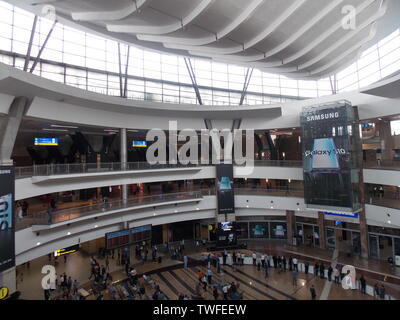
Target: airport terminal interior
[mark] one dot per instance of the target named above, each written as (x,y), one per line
(200,150)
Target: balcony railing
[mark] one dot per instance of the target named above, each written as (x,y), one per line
(46,218)
(81,168)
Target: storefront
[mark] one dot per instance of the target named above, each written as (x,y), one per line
(267,227)
(384,243)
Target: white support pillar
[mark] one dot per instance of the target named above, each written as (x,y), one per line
(9,126)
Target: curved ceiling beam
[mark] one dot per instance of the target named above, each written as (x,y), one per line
(252,42)
(109,15)
(306,27)
(346,53)
(348,60)
(312,45)
(285,44)
(135,29)
(245,15)
(343,40)
(276,66)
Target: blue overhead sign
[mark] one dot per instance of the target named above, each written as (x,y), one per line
(343,214)
(139,143)
(46,141)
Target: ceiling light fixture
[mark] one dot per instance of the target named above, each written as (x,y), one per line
(58,130)
(60,126)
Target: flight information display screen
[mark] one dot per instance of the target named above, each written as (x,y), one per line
(331,152)
(46,141)
(128,237)
(139,144)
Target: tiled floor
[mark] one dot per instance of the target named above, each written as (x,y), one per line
(177,280)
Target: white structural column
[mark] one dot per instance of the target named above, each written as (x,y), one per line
(124,158)
(9,126)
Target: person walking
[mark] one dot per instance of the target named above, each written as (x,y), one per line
(225,291)
(185,261)
(363,284)
(313,293)
(266,270)
(294,278)
(330,271)
(336,275)
(254,259)
(322,271)
(382,292)
(284,263)
(215,293)
(209,276)
(306,266)
(295,264)
(316,268)
(262,260)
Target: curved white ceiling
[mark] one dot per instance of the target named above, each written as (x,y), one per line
(296,38)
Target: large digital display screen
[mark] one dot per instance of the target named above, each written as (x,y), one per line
(128,237)
(331,151)
(224,185)
(46,141)
(140,234)
(226,234)
(7,220)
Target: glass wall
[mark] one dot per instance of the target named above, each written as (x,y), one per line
(376,63)
(91,62)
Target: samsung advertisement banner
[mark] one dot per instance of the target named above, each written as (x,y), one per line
(224,185)
(7,221)
(331,150)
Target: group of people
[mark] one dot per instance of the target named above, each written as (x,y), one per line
(67,286)
(21,209)
(100,273)
(229,290)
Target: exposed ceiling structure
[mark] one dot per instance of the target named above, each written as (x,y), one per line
(307,39)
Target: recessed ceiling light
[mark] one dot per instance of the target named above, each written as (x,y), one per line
(58,130)
(111,130)
(68,233)
(95,225)
(60,126)
(38,244)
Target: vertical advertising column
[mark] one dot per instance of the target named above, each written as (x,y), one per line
(124,158)
(7,226)
(226,230)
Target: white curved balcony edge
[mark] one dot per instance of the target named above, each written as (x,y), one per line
(58,102)
(30,244)
(39,185)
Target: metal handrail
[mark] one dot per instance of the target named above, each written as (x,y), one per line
(44,218)
(79,168)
